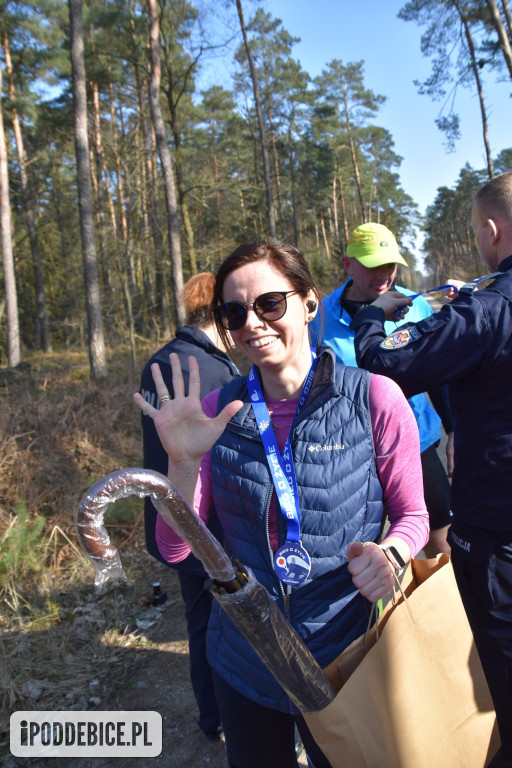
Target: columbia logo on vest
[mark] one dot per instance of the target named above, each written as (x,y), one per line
(319,448)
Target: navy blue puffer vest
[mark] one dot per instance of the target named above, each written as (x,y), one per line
(340,500)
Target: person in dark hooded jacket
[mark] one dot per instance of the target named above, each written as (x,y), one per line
(200,339)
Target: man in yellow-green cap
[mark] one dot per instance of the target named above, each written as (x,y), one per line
(371,263)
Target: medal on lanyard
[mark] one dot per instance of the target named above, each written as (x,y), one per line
(291,561)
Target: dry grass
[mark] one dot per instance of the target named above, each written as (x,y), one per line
(59,433)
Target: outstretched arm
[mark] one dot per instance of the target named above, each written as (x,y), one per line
(185,431)
(421,356)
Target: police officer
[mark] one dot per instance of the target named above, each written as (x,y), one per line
(468,345)
(371,263)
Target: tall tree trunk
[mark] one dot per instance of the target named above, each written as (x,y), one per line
(97,179)
(180,185)
(119,171)
(343,207)
(218,202)
(11,296)
(128,245)
(263,141)
(178,163)
(324,235)
(42,325)
(353,155)
(162,263)
(291,153)
(57,195)
(242,204)
(165,161)
(278,176)
(187,224)
(145,263)
(356,173)
(508,17)
(97,188)
(474,66)
(102,191)
(501,31)
(275,158)
(335,208)
(92,288)
(151,208)
(124,265)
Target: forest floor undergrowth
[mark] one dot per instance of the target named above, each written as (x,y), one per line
(62,646)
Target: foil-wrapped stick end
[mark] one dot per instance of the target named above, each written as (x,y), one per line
(171,505)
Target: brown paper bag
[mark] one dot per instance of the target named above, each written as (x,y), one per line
(417,697)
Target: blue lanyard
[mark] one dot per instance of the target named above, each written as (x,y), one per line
(415,296)
(281,467)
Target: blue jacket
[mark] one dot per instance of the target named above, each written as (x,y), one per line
(215,369)
(340,500)
(338,335)
(467,345)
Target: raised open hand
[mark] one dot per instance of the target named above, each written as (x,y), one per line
(184,430)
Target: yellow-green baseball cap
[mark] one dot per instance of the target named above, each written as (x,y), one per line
(374,245)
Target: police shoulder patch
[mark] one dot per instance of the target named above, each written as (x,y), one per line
(398,339)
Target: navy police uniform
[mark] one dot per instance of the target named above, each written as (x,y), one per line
(468,345)
(215,369)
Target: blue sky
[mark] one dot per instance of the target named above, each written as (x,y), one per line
(390,48)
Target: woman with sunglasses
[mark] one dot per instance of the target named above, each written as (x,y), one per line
(300,459)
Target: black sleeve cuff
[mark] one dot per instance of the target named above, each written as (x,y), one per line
(441,403)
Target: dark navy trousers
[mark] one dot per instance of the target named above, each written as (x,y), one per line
(486,590)
(198,602)
(260,737)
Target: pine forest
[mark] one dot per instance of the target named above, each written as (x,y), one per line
(120,178)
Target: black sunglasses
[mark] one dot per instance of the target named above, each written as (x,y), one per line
(269,306)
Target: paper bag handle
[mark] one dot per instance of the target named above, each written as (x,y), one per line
(376,613)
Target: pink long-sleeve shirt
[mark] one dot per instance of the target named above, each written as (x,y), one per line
(396,441)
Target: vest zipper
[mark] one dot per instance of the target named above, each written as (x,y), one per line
(285,592)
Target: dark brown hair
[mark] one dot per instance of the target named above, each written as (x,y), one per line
(281,257)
